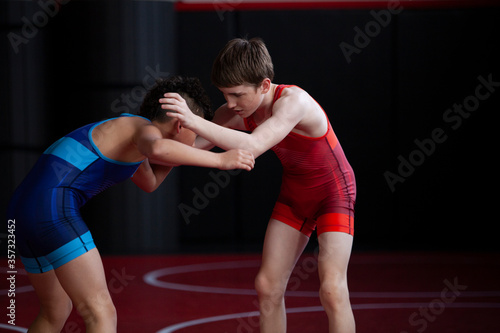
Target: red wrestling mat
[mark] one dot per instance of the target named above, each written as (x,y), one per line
(391,292)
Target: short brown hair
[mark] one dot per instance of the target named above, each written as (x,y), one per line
(242,61)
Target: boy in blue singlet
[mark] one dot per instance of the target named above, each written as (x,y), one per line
(54,242)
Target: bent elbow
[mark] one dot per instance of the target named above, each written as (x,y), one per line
(149,189)
(155,151)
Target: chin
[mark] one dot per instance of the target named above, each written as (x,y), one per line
(244,114)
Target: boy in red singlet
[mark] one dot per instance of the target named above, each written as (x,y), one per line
(318,186)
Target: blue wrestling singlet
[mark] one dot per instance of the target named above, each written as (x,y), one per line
(46,206)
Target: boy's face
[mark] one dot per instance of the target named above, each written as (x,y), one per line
(243,99)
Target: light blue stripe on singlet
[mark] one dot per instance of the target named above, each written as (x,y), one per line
(72,152)
(61,256)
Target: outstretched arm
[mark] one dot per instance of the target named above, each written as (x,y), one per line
(172,153)
(162,154)
(286,115)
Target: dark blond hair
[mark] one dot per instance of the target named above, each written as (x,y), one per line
(242,61)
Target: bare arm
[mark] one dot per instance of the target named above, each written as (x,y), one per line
(286,115)
(149,176)
(225,119)
(162,154)
(202,143)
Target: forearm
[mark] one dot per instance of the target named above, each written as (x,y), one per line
(170,152)
(202,143)
(220,136)
(226,138)
(167,152)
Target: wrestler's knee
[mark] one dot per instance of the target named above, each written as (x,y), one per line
(269,288)
(57,313)
(97,308)
(334,293)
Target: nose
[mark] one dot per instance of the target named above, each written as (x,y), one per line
(231,103)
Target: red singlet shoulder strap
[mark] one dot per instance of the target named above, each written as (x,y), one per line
(279,90)
(250,122)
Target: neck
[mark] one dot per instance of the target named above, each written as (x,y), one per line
(264,111)
(165,128)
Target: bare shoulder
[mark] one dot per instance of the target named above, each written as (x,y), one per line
(117,138)
(293,101)
(294,94)
(140,127)
(313,121)
(122,127)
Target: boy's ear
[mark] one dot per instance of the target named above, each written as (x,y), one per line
(265,85)
(178,126)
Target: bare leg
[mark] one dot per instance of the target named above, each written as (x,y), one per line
(84,281)
(334,254)
(55,304)
(282,247)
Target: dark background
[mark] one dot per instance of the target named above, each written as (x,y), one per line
(84,61)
